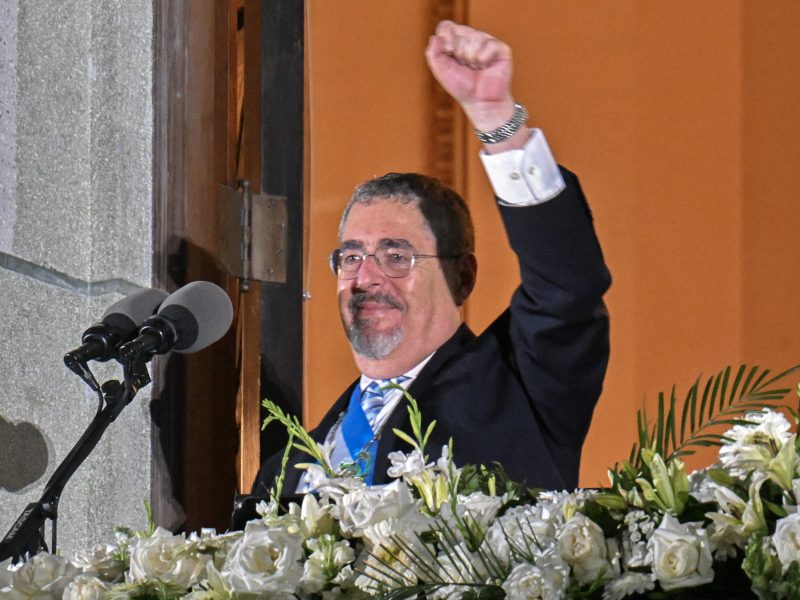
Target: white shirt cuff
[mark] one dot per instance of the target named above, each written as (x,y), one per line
(527,176)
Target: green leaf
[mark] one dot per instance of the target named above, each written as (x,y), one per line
(736,382)
(599,513)
(276,491)
(726,397)
(148,589)
(703,402)
(306,443)
(748,382)
(714,392)
(723,391)
(611,500)
(659,436)
(428,432)
(405,437)
(776,509)
(691,403)
(151,521)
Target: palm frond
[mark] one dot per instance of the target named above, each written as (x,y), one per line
(479,591)
(436,562)
(722,399)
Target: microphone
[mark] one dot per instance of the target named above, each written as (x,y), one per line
(191,318)
(119,323)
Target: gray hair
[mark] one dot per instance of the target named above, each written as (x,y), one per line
(445,212)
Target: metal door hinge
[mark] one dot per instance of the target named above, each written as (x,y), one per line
(254,234)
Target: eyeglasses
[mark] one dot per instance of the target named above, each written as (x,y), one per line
(393,262)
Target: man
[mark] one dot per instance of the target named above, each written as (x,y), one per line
(522,393)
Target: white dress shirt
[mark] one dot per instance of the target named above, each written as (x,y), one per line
(526,176)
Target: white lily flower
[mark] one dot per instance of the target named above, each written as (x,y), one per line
(753,446)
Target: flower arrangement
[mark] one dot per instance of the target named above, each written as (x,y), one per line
(443,532)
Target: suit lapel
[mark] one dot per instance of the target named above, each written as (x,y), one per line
(397,420)
(319,434)
(399,417)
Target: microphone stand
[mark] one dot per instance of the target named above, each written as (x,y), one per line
(26,535)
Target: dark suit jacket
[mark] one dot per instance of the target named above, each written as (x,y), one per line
(521,393)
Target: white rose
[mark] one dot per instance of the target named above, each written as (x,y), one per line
(547,579)
(583,546)
(264,560)
(160,556)
(211,545)
(458,564)
(369,505)
(520,527)
(85,587)
(479,506)
(406,527)
(787,539)
(99,560)
(524,582)
(681,554)
(390,545)
(43,576)
(497,542)
(526,525)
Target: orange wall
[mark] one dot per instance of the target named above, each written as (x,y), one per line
(681,120)
(771,183)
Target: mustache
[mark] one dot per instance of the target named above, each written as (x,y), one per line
(359,298)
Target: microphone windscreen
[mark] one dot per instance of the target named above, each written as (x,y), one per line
(128,313)
(201,313)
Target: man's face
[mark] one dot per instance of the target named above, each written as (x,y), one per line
(393,323)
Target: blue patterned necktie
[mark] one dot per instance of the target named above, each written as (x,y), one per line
(358,427)
(374,397)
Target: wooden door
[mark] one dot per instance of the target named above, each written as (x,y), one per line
(223,114)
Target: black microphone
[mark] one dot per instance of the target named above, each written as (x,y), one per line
(119,323)
(191,318)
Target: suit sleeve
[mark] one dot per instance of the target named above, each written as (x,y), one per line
(558,324)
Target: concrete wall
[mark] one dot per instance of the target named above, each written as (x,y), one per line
(75,235)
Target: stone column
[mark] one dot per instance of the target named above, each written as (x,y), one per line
(76,129)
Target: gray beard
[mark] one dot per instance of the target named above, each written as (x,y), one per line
(371,344)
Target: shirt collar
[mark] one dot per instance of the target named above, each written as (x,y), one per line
(411,374)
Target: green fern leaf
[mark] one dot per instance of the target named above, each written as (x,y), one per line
(725,399)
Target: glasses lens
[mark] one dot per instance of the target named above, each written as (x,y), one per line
(395,262)
(347,262)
